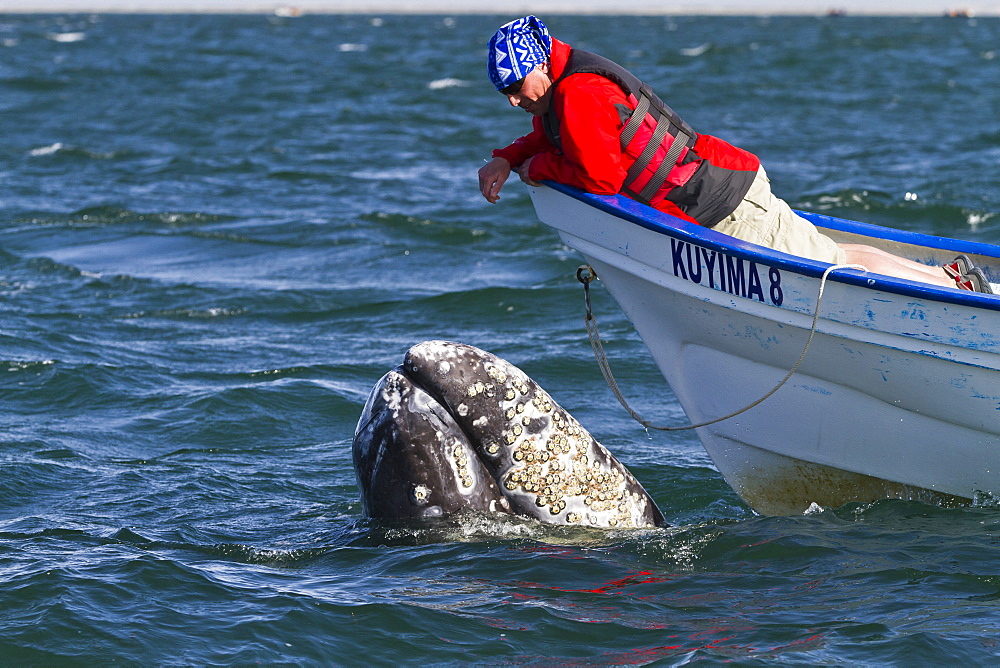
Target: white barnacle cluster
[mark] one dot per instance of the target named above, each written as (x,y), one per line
(461,459)
(557,465)
(507,390)
(488,390)
(513,404)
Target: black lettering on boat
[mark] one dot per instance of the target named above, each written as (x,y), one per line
(710,257)
(735,276)
(677,252)
(693,264)
(754,288)
(777,295)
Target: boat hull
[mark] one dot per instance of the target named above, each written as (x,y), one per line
(898,395)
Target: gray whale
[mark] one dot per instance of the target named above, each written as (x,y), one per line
(457,428)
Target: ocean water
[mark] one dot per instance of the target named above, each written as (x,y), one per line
(216,234)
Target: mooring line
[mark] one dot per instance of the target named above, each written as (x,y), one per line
(586,274)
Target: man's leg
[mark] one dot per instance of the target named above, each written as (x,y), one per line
(881,262)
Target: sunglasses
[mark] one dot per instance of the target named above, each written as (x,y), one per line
(514,88)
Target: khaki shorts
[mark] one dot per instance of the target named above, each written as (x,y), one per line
(766,220)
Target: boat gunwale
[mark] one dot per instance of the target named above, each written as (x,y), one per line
(663,223)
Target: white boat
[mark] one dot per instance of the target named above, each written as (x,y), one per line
(898,395)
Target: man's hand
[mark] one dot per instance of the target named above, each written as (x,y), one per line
(492,176)
(522,171)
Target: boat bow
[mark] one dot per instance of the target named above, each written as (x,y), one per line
(898,396)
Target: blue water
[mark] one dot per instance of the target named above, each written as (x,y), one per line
(216,234)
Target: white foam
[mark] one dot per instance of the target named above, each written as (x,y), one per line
(47,150)
(438,84)
(67,37)
(696,51)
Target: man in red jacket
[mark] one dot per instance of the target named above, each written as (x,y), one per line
(598,128)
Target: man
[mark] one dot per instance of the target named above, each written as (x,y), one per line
(600,129)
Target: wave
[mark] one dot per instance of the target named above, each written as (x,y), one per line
(104,215)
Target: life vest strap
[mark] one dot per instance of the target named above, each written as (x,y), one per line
(637,118)
(642,162)
(651,188)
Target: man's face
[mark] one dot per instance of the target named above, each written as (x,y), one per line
(534,95)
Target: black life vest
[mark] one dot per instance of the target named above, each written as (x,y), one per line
(664,165)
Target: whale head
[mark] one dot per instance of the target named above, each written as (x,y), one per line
(457,428)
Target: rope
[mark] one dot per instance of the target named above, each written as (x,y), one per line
(586,274)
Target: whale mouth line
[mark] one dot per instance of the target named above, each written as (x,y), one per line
(439,400)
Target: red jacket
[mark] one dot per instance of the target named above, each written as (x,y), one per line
(590,129)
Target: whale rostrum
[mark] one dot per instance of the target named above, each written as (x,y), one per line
(457,428)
